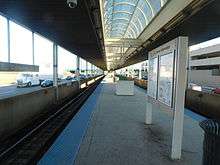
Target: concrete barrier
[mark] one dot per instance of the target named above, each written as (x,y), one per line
(141,83)
(203,103)
(68,90)
(18,111)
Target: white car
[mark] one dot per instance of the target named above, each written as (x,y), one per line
(27,80)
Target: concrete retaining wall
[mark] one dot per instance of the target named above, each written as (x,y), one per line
(68,89)
(203,103)
(17,111)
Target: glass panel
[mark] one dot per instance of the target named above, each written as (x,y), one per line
(128,8)
(137,27)
(89,68)
(156,4)
(119,26)
(66,63)
(122,15)
(43,51)
(165,78)
(3,40)
(108,4)
(82,66)
(20,44)
(149,11)
(143,20)
(140,12)
(125,1)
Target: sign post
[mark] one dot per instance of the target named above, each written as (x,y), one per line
(55,69)
(149,114)
(78,69)
(181,78)
(167,78)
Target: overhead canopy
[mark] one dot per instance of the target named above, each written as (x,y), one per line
(128,18)
(78,30)
(142,25)
(129,28)
(199,21)
(123,22)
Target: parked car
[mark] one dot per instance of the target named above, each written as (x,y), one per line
(82,77)
(194,87)
(70,78)
(27,80)
(145,78)
(59,79)
(216,91)
(207,89)
(47,83)
(88,75)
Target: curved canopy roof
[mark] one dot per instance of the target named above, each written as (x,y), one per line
(128,18)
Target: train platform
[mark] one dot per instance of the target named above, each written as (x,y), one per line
(110,129)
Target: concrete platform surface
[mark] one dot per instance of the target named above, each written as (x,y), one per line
(65,148)
(117,134)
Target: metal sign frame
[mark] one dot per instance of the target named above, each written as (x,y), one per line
(179,48)
(170,47)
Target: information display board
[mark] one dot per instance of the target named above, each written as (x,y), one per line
(167,84)
(165,78)
(152,77)
(161,75)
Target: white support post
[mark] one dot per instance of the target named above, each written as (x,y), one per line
(181,77)
(113,74)
(149,113)
(77,69)
(139,73)
(92,69)
(86,68)
(95,69)
(55,69)
(33,59)
(9,43)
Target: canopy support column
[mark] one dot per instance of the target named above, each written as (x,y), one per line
(55,69)
(77,69)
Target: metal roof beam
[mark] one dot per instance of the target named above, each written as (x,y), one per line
(115,42)
(131,17)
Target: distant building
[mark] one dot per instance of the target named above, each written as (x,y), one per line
(205,66)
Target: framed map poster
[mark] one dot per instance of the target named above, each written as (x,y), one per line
(166,78)
(152,77)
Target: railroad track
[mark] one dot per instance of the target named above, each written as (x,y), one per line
(29,148)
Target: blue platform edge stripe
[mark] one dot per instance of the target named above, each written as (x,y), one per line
(194,115)
(65,148)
